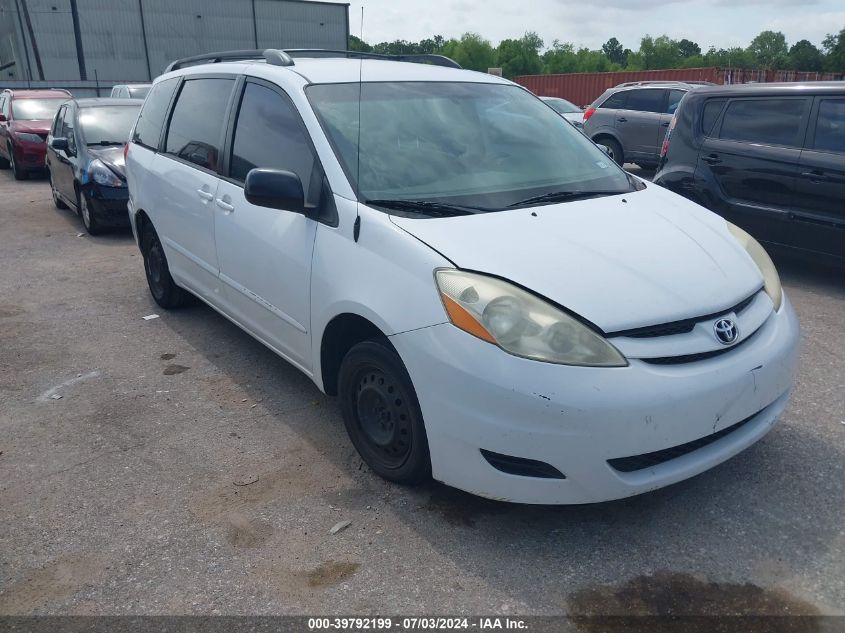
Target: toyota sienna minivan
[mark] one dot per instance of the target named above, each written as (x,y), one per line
(496,303)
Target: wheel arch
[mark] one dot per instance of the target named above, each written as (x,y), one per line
(341,334)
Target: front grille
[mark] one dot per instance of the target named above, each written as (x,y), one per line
(684,326)
(649,460)
(521,466)
(693,358)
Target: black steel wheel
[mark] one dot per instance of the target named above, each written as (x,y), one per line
(164,290)
(382,414)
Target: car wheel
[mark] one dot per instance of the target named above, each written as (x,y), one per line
(382,414)
(614,149)
(89,220)
(164,290)
(56,199)
(19,173)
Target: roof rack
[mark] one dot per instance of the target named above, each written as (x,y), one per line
(664,82)
(279,57)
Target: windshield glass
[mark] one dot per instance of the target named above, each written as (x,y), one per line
(562,105)
(107,124)
(479,145)
(36,109)
(138,92)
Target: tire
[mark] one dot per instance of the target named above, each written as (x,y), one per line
(4,163)
(89,219)
(614,149)
(162,287)
(56,199)
(20,174)
(382,414)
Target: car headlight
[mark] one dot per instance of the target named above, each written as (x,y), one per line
(520,323)
(31,138)
(102,175)
(771,279)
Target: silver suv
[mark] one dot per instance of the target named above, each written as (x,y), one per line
(630,120)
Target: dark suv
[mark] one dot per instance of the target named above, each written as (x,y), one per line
(768,157)
(25,118)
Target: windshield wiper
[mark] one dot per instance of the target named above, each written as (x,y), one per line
(105,143)
(564,196)
(426,207)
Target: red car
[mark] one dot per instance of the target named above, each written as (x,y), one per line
(25,120)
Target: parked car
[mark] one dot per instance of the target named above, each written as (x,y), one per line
(495,303)
(86,162)
(630,120)
(130,91)
(768,157)
(25,117)
(567,110)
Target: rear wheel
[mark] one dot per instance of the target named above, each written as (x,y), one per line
(164,290)
(382,414)
(56,199)
(19,172)
(613,149)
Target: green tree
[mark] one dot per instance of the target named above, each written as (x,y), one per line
(769,49)
(657,53)
(687,48)
(357,44)
(471,51)
(520,57)
(560,58)
(614,51)
(834,48)
(805,56)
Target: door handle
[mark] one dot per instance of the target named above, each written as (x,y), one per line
(205,195)
(665,124)
(228,208)
(815,176)
(622,119)
(713,159)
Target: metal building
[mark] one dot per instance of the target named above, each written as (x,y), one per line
(90,45)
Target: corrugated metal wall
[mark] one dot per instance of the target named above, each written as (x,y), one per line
(113,34)
(583,88)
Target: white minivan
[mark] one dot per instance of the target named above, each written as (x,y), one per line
(496,304)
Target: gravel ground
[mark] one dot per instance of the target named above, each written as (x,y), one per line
(120,497)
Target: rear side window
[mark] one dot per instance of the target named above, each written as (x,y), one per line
(615,101)
(765,121)
(710,114)
(269,133)
(198,121)
(675,97)
(646,100)
(830,126)
(151,119)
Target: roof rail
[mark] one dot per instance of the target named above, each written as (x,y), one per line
(280,57)
(664,82)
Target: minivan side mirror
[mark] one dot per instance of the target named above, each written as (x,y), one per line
(275,189)
(59,144)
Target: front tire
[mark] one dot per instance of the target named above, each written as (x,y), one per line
(164,290)
(18,172)
(89,220)
(382,414)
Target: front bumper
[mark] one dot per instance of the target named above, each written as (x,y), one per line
(109,204)
(475,396)
(30,156)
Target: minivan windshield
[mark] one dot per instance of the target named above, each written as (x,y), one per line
(483,147)
(36,109)
(107,125)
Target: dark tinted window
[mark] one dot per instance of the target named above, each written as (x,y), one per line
(615,100)
(766,121)
(675,97)
(268,133)
(646,100)
(710,114)
(198,121)
(830,127)
(151,119)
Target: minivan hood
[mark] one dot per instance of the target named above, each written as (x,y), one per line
(643,258)
(112,157)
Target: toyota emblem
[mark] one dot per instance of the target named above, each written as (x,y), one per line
(726,331)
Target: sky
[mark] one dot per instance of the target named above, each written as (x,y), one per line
(720,23)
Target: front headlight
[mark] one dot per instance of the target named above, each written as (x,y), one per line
(31,138)
(521,324)
(771,280)
(102,175)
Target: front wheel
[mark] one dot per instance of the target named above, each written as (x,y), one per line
(382,414)
(17,170)
(88,217)
(164,290)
